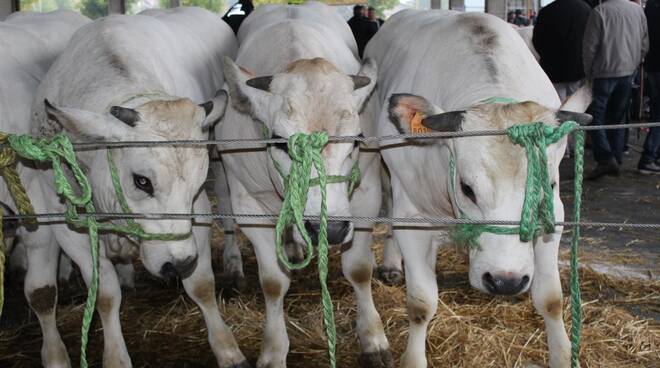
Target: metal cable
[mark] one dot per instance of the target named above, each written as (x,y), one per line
(389,220)
(87,146)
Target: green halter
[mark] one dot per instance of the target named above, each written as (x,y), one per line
(305,153)
(537,216)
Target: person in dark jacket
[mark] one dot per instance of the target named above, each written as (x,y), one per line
(614,44)
(237,13)
(363,29)
(649,163)
(371,14)
(558,40)
(520,20)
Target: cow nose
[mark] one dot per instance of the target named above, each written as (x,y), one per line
(183,268)
(337,231)
(504,284)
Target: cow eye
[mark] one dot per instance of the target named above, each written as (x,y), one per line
(468,192)
(553,185)
(143,183)
(280,146)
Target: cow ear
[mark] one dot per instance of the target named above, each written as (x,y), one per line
(214,109)
(244,98)
(407,112)
(87,125)
(579,101)
(445,122)
(364,82)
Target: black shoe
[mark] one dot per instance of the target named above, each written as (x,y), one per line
(611,168)
(649,169)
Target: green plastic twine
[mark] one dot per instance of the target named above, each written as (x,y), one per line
(59,151)
(538,211)
(576,300)
(305,152)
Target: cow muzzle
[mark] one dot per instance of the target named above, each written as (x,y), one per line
(180,268)
(505,283)
(338,231)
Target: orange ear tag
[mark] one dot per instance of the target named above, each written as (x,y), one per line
(416,124)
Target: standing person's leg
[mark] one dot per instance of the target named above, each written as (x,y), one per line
(601,90)
(619,104)
(648,162)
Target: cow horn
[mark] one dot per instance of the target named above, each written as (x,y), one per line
(126,115)
(360,81)
(262,83)
(578,117)
(445,122)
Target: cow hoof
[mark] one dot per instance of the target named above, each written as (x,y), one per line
(376,359)
(390,276)
(235,281)
(243,364)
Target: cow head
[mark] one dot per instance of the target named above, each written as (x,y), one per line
(490,177)
(310,95)
(160,179)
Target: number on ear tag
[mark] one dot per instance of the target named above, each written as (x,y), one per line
(416,124)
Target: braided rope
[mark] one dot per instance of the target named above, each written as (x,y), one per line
(576,301)
(305,152)
(17,191)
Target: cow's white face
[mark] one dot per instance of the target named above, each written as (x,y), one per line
(161,179)
(490,179)
(310,95)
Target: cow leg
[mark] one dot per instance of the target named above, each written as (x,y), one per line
(547,294)
(200,286)
(419,258)
(390,272)
(65,268)
(274,284)
(41,293)
(108,300)
(125,274)
(357,265)
(232,262)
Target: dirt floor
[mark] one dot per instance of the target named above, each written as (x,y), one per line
(620,285)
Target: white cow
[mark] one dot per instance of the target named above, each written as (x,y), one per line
(30,44)
(306,66)
(120,79)
(445,81)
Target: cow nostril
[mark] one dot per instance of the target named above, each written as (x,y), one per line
(489,282)
(167,271)
(524,281)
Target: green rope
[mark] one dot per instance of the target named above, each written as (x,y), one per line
(305,152)
(538,208)
(59,152)
(576,302)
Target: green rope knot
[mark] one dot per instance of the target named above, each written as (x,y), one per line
(305,152)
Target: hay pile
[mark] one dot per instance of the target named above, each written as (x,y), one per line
(163,328)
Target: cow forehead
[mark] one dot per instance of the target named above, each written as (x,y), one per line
(498,156)
(175,119)
(316,96)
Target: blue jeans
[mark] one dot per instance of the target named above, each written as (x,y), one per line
(608,106)
(652,142)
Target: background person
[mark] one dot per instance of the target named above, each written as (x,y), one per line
(371,14)
(615,42)
(649,163)
(237,13)
(363,29)
(558,40)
